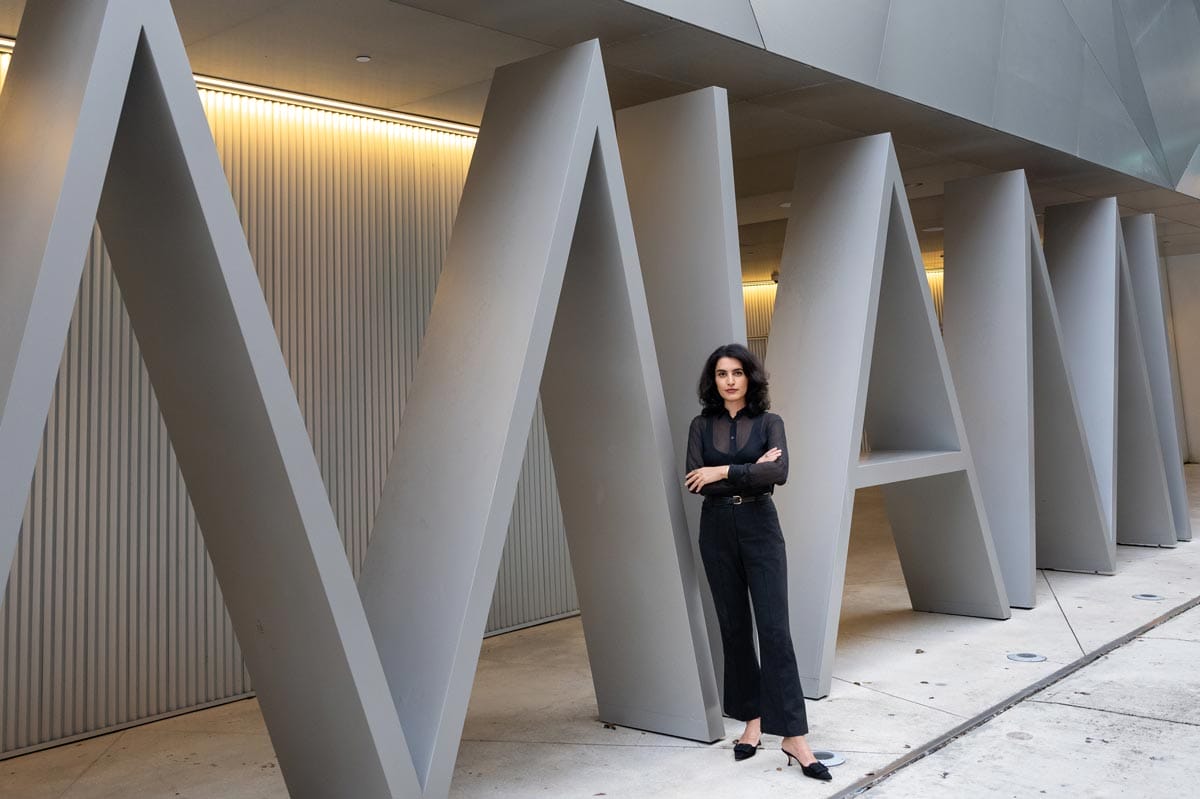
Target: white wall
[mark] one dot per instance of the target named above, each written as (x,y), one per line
(1183,279)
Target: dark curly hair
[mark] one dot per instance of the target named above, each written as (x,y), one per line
(757,400)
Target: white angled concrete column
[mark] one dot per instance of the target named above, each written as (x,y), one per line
(1085,253)
(1148,279)
(987,323)
(541,271)
(1081,257)
(1144,514)
(678,166)
(197,308)
(855,345)
(1005,347)
(1073,532)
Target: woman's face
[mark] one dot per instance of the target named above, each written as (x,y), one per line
(731,380)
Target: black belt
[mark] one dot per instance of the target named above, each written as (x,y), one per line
(736,500)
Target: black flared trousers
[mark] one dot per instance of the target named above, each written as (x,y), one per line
(745,560)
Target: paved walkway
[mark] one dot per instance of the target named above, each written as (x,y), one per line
(1126,725)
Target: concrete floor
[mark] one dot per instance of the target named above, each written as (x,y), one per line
(901,680)
(1125,726)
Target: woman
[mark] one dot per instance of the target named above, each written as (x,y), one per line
(736,455)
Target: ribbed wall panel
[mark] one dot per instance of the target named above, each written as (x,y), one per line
(535,580)
(112,613)
(759,302)
(936,283)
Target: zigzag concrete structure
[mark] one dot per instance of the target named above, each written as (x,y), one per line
(593,263)
(862,353)
(1147,282)
(205,319)
(542,286)
(189,284)
(1085,253)
(678,165)
(1020,406)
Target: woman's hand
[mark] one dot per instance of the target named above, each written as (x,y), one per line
(771,455)
(698,478)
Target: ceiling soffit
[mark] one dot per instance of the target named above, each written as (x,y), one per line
(436,57)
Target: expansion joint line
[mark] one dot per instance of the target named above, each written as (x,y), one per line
(1058,602)
(1142,716)
(879,775)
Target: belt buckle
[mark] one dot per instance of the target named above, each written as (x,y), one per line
(737,500)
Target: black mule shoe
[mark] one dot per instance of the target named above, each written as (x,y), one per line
(817,770)
(743,751)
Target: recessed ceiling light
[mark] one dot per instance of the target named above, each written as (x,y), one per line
(362,59)
(786,204)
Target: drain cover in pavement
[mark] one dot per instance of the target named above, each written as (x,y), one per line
(830,759)
(1026,657)
(1148,597)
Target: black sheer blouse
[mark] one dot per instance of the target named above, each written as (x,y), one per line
(737,442)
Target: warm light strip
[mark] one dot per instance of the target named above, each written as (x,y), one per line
(308,101)
(323,104)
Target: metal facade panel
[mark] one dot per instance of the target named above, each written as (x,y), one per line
(1107,132)
(733,18)
(1022,67)
(958,71)
(112,613)
(1096,21)
(841,36)
(1164,36)
(1132,89)
(1040,82)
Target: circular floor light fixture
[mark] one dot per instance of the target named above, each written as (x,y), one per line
(1026,657)
(362,59)
(830,759)
(1149,597)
